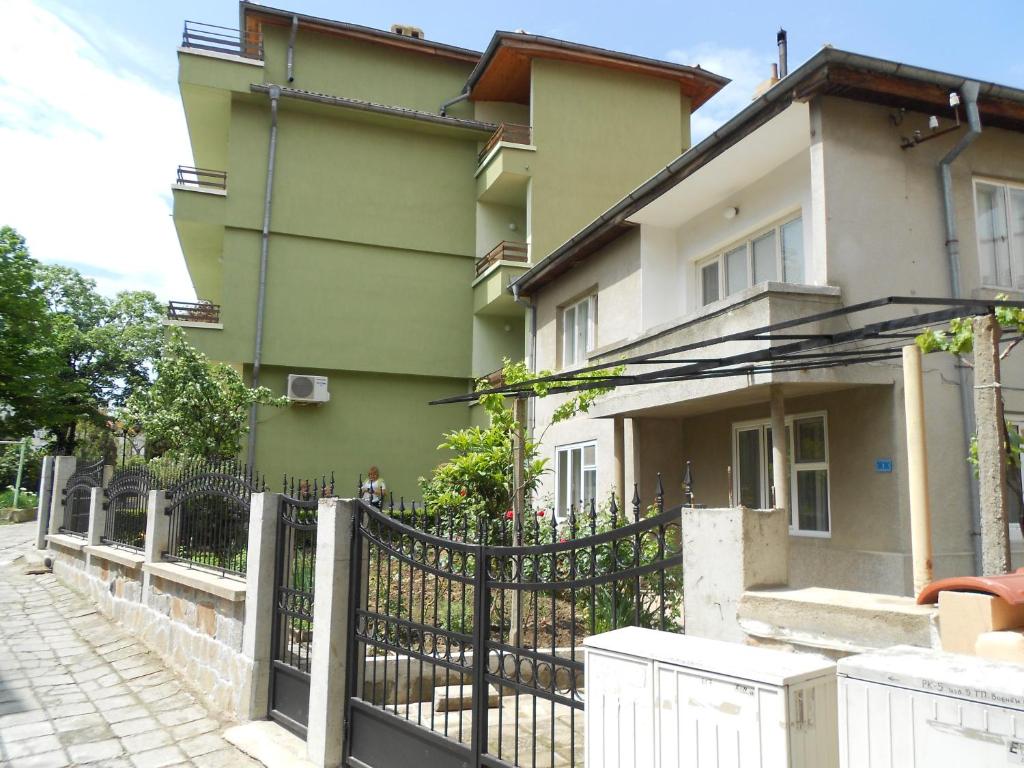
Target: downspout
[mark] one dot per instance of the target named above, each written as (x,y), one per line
(261,296)
(444,107)
(969,95)
(291,49)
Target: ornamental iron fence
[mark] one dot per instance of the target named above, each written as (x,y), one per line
(127,500)
(466,644)
(77,495)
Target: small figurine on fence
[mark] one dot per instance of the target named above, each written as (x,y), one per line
(373,488)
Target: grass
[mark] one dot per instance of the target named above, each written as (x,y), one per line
(26,499)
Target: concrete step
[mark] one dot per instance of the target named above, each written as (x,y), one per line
(455,697)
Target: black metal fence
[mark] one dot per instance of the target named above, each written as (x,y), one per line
(77,494)
(127,497)
(208,504)
(294,576)
(471,632)
(190,176)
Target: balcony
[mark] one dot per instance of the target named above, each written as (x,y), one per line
(509,133)
(223,40)
(503,251)
(193,312)
(201,178)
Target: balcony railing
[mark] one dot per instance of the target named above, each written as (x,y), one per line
(193,312)
(210,37)
(503,251)
(513,133)
(202,177)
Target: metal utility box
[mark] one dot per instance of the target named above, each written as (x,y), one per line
(661,699)
(908,707)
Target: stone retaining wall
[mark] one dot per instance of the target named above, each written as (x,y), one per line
(198,635)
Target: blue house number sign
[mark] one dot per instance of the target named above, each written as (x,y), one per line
(883,465)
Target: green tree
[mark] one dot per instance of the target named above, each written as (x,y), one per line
(193,406)
(102,350)
(26,359)
(476,482)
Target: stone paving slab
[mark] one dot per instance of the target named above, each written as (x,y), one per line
(77,689)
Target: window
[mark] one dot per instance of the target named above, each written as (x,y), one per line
(576,467)
(807,457)
(999,215)
(779,251)
(579,323)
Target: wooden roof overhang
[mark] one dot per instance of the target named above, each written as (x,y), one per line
(503,73)
(254,17)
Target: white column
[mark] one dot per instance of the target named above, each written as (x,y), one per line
(619,455)
(259,599)
(780,470)
(330,631)
(158,531)
(45,497)
(917,468)
(97,517)
(63,469)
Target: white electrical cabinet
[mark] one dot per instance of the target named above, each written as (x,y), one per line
(662,699)
(908,707)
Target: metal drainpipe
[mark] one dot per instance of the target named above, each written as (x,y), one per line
(291,49)
(261,296)
(969,94)
(444,107)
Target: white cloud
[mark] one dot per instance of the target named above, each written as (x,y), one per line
(747,69)
(88,148)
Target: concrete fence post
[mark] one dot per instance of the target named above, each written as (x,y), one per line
(63,469)
(158,529)
(45,496)
(97,517)
(261,563)
(331,632)
(726,552)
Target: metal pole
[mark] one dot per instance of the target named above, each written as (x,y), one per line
(518,501)
(988,413)
(21,467)
(780,470)
(917,468)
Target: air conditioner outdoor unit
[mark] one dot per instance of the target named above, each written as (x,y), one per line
(307,389)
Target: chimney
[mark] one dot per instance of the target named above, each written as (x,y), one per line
(765,85)
(407,30)
(783,55)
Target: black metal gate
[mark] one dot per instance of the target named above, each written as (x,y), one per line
(466,649)
(127,497)
(77,497)
(293,612)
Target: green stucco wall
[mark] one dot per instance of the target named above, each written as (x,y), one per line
(371,419)
(599,134)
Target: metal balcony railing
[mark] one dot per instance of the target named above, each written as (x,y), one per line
(210,37)
(510,132)
(503,251)
(193,311)
(202,177)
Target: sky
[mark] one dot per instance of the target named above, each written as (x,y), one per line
(91,125)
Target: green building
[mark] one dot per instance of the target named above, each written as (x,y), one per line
(388,188)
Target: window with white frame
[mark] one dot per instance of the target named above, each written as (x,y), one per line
(579,329)
(576,477)
(1016,481)
(773,254)
(807,460)
(999,215)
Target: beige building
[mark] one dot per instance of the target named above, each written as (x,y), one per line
(825,192)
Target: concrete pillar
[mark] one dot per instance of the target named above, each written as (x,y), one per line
(780,468)
(97,517)
(330,631)
(917,468)
(726,552)
(988,414)
(63,469)
(45,498)
(158,529)
(107,475)
(619,458)
(260,570)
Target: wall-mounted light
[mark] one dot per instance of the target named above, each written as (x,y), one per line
(731,212)
(512,226)
(508,327)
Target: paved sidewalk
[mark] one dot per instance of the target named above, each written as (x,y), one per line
(76,689)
